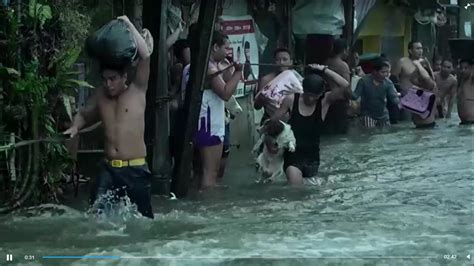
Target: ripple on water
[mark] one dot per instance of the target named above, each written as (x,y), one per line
(396,193)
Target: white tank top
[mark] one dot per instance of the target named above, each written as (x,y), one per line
(212,115)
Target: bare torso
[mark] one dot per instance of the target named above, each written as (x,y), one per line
(466,100)
(123,118)
(409,76)
(444,86)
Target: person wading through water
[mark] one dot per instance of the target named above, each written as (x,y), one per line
(447,85)
(466,93)
(121,108)
(307,114)
(210,133)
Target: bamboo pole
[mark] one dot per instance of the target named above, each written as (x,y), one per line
(199,62)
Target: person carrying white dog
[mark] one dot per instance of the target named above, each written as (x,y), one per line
(308,111)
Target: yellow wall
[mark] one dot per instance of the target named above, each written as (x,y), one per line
(371,44)
(384,20)
(376,26)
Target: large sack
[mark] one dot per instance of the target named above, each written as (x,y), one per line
(284,84)
(113,44)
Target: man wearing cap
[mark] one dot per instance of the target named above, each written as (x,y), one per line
(121,108)
(307,114)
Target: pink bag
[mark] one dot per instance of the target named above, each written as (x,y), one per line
(419,102)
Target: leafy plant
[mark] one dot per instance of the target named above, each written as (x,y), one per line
(41,51)
(39,12)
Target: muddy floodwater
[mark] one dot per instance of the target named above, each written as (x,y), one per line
(394,197)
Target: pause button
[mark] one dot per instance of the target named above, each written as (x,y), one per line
(9,257)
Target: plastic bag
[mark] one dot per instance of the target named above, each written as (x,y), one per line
(112,44)
(284,84)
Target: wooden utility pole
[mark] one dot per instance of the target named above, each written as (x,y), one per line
(199,61)
(158,110)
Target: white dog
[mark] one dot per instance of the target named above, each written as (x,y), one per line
(270,160)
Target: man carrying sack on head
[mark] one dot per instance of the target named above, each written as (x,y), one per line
(120,105)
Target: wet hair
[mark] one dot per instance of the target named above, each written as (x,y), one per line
(273,128)
(281,50)
(120,69)
(219,38)
(380,63)
(338,46)
(179,46)
(313,83)
(410,44)
(247,45)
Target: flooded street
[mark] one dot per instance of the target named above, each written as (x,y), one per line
(397,196)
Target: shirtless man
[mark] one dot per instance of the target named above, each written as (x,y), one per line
(283,60)
(308,112)
(405,70)
(121,108)
(411,73)
(446,84)
(466,93)
(337,118)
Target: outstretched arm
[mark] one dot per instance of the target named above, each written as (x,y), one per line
(88,115)
(143,67)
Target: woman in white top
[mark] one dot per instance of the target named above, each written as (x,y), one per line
(211,126)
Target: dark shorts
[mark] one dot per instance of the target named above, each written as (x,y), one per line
(426,126)
(133,181)
(226,149)
(308,166)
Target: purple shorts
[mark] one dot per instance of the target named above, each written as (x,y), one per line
(203,139)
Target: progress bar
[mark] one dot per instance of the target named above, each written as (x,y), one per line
(83,257)
(217,258)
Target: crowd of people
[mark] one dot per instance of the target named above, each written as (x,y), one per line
(329,98)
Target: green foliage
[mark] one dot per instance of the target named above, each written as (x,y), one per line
(41,52)
(39,12)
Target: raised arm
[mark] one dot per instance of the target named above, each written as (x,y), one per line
(430,84)
(174,36)
(223,89)
(340,82)
(144,53)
